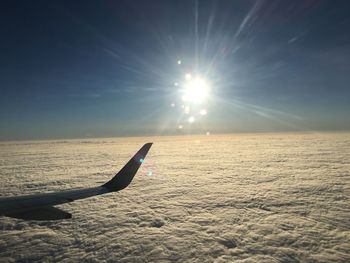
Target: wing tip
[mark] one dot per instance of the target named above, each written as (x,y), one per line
(124,177)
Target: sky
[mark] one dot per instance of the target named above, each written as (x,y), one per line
(71,69)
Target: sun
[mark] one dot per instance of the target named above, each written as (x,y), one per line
(196,90)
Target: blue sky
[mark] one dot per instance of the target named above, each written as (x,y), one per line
(107,68)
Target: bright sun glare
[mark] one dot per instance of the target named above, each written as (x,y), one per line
(196,90)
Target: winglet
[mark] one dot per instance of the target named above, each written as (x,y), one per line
(124,177)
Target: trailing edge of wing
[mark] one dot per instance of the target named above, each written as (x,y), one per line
(124,177)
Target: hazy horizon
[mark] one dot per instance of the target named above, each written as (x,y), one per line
(150,136)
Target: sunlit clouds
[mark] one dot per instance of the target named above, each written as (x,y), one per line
(252,198)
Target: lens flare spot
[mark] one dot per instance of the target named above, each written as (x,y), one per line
(203,112)
(179,62)
(149,173)
(142,160)
(191,119)
(180,127)
(207,133)
(188,76)
(172,105)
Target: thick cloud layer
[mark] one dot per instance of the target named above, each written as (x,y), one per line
(249,198)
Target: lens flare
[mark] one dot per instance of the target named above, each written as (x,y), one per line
(203,112)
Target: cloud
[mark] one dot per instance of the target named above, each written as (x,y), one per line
(238,198)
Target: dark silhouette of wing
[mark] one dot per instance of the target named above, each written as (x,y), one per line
(40,206)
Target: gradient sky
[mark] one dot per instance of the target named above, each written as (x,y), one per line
(107,68)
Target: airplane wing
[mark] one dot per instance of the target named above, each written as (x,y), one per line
(40,206)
